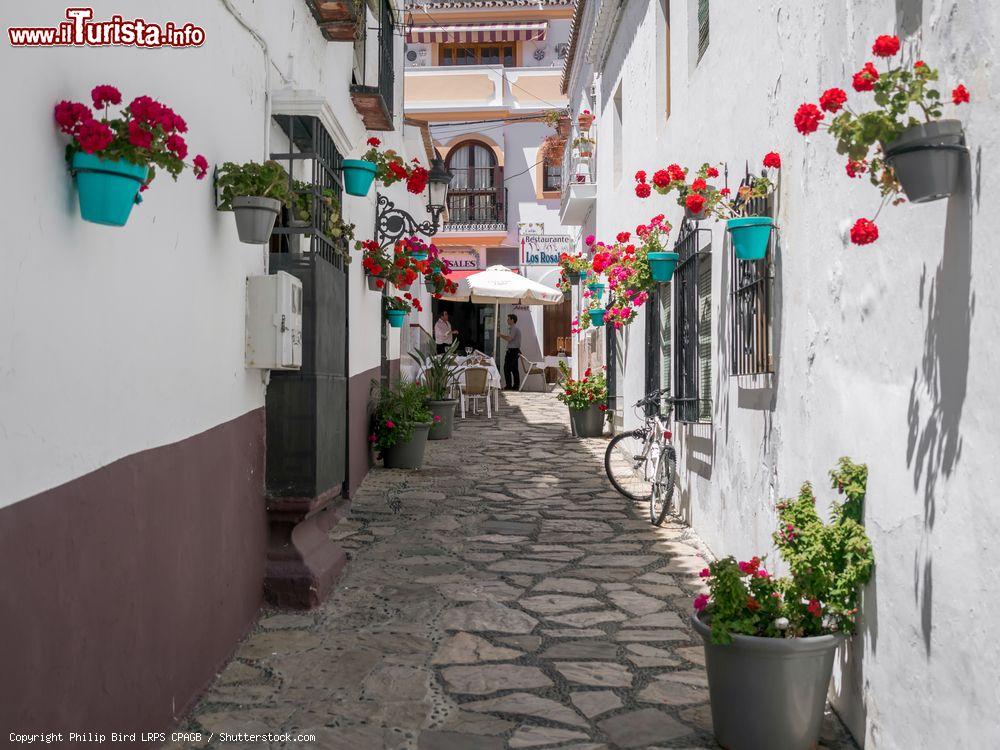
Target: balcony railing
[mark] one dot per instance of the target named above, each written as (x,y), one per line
(481,87)
(375,99)
(476,212)
(579,190)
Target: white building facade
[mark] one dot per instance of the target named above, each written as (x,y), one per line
(881,353)
(139,527)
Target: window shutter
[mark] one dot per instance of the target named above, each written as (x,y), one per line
(705,340)
(702,27)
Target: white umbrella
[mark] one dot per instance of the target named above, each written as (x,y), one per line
(499,285)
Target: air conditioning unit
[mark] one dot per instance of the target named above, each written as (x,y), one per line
(274,322)
(418,55)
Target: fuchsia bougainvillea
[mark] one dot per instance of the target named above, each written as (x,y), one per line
(145,132)
(904,96)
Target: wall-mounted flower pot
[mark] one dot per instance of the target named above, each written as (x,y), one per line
(373,283)
(255,218)
(596,289)
(358,176)
(788,678)
(662,265)
(395,318)
(586,153)
(585,121)
(563,127)
(295,239)
(418,255)
(700,216)
(597,316)
(587,422)
(750,235)
(445,422)
(107,189)
(573,277)
(409,454)
(927,158)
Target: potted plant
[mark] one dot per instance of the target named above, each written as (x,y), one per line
(558,120)
(113,159)
(551,150)
(774,637)
(699,198)
(255,194)
(596,289)
(587,400)
(751,234)
(596,314)
(902,144)
(573,265)
(304,198)
(661,261)
(376,263)
(438,372)
(397,307)
(584,146)
(401,420)
(385,165)
(584,120)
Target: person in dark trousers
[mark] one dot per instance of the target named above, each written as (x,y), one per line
(444,334)
(511,370)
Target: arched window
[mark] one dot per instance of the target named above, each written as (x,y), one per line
(474,194)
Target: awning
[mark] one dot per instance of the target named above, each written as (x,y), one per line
(471,33)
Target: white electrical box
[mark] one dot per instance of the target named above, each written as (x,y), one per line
(274,322)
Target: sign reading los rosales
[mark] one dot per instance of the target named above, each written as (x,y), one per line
(544,249)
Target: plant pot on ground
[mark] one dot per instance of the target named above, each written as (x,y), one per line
(438,372)
(586,399)
(400,423)
(255,194)
(589,422)
(774,638)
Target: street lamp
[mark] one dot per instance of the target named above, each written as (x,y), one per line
(392,223)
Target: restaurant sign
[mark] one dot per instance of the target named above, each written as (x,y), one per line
(544,249)
(462,260)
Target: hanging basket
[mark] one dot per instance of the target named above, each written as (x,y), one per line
(597,289)
(419,255)
(750,236)
(662,265)
(395,318)
(358,176)
(597,316)
(107,189)
(927,158)
(573,277)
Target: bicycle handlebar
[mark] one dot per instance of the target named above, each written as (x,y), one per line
(651,398)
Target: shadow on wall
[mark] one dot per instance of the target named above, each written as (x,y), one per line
(937,394)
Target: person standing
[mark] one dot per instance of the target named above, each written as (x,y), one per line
(444,334)
(511,371)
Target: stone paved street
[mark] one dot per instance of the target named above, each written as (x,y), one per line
(503,597)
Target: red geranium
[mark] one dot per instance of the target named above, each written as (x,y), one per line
(676,172)
(661,178)
(623,236)
(139,135)
(70,115)
(200,166)
(807,118)
(712,172)
(694,203)
(864,232)
(642,190)
(856,168)
(94,136)
(960,95)
(105,95)
(885,46)
(417,180)
(640,176)
(699,184)
(833,99)
(176,144)
(864,79)
(772,160)
(373,141)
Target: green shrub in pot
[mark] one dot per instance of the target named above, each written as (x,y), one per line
(586,398)
(255,193)
(400,422)
(438,372)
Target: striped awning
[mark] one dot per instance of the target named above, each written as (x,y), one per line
(471,33)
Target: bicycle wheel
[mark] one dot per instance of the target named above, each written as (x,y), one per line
(663,488)
(626,470)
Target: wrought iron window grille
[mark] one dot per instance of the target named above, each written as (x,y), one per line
(313,161)
(694,246)
(752,298)
(385,85)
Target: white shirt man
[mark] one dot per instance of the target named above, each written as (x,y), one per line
(444,334)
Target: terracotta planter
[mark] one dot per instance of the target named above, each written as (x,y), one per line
(585,121)
(563,127)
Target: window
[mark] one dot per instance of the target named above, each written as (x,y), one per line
(479,54)
(702,28)
(692,332)
(474,195)
(750,309)
(663,58)
(551,177)
(665,293)
(618,136)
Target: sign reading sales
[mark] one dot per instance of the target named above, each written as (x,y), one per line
(544,249)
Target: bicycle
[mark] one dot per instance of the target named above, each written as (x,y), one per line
(646,475)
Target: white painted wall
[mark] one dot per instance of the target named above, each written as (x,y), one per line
(884,353)
(117,340)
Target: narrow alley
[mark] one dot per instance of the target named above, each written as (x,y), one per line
(503,596)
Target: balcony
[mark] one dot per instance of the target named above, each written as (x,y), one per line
(477,200)
(337,19)
(373,89)
(462,88)
(579,192)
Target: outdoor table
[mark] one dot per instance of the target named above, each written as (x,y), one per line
(493,379)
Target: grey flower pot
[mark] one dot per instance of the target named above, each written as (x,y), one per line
(785,680)
(446,410)
(295,241)
(927,158)
(588,422)
(700,216)
(408,455)
(371,283)
(255,218)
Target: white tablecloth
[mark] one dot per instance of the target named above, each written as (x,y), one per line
(553,361)
(493,379)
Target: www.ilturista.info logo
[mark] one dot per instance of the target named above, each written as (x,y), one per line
(80,31)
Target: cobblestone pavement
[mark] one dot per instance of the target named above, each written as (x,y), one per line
(503,597)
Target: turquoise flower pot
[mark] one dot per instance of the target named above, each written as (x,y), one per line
(358,176)
(107,189)
(418,255)
(662,265)
(597,316)
(750,236)
(395,318)
(596,289)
